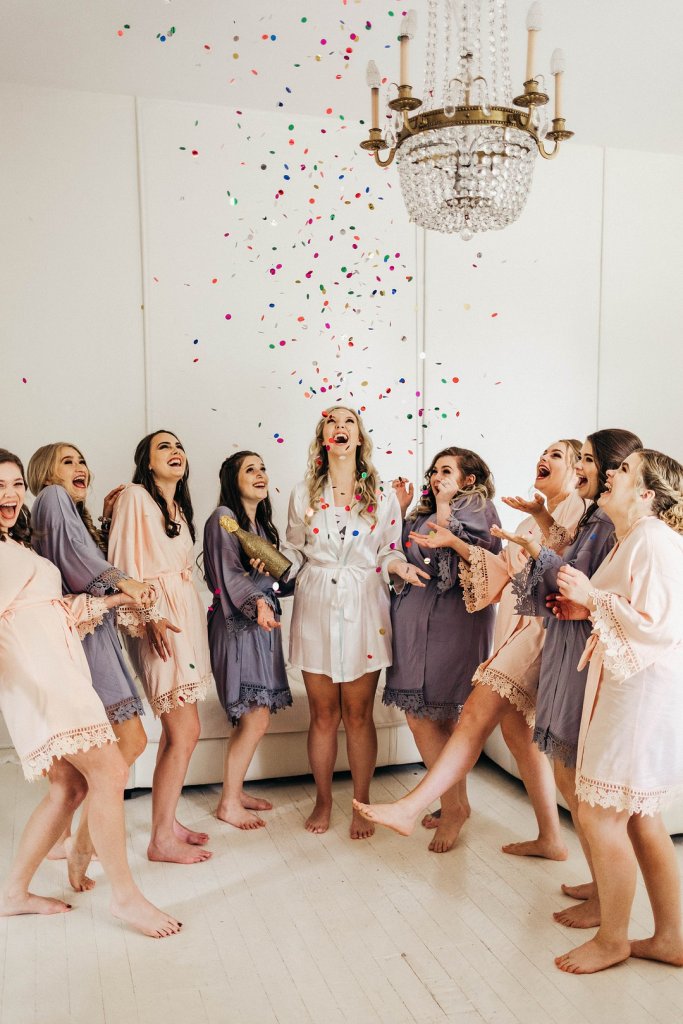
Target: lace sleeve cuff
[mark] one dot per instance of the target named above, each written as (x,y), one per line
(474,580)
(106,582)
(249,608)
(525,583)
(95,610)
(133,621)
(621,661)
(558,537)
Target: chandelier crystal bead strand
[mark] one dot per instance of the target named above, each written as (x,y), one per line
(465,152)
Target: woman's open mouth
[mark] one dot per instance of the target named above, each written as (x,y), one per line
(542,472)
(80,481)
(581,480)
(8,510)
(175,463)
(341,438)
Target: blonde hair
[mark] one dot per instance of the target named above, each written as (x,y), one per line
(573,449)
(367,480)
(40,474)
(469,464)
(663,475)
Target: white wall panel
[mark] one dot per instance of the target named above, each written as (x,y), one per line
(346,315)
(641,366)
(514,315)
(70,276)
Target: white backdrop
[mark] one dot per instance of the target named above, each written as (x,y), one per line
(106,205)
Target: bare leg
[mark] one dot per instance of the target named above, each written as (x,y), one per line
(482,712)
(431,737)
(79,849)
(657,859)
(324,701)
(181,832)
(357,705)
(106,772)
(67,790)
(538,779)
(181,732)
(241,746)
(615,871)
(586,914)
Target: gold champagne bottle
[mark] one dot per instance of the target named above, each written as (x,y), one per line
(256,547)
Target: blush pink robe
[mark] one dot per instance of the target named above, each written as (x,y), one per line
(514,668)
(630,753)
(46,692)
(138,545)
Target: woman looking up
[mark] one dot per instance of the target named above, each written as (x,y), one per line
(244,629)
(344,538)
(151,538)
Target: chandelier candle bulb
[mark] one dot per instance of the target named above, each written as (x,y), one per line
(373,79)
(534,23)
(408,27)
(557,68)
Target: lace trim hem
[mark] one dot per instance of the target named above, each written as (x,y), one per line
(125,709)
(525,582)
(107,580)
(76,741)
(256,695)
(619,657)
(186,693)
(133,621)
(558,537)
(509,688)
(556,748)
(474,579)
(622,797)
(413,702)
(96,609)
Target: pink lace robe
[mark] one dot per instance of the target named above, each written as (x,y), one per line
(514,667)
(630,753)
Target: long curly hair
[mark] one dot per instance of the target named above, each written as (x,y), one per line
(230,497)
(367,480)
(40,474)
(663,475)
(470,464)
(21,531)
(143,475)
(610,447)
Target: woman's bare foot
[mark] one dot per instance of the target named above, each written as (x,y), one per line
(237,815)
(77,862)
(255,803)
(145,917)
(173,851)
(360,827)
(549,849)
(580,915)
(666,949)
(431,819)
(585,891)
(393,816)
(186,835)
(318,820)
(446,835)
(594,955)
(14,904)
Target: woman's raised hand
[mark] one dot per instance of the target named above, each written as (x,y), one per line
(110,501)
(138,592)
(410,573)
(531,508)
(438,537)
(404,492)
(266,617)
(574,585)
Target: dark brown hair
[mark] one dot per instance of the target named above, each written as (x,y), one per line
(143,475)
(21,531)
(610,447)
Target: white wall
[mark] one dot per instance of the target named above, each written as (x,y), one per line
(584,257)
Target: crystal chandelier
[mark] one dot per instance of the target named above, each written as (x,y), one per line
(466,157)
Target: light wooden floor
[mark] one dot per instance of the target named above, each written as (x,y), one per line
(285,927)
